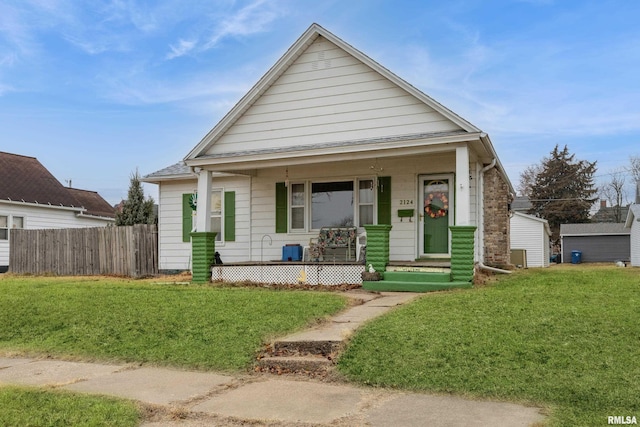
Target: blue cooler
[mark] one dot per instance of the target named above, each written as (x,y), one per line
(292,253)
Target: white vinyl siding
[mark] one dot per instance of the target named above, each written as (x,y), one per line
(174,254)
(635,242)
(529,233)
(326,96)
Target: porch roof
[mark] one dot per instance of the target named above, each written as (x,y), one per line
(392,146)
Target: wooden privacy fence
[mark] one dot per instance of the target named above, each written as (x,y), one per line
(123,251)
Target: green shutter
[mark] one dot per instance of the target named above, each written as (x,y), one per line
(384,200)
(187,218)
(230,216)
(281,208)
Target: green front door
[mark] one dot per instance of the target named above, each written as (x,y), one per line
(437,205)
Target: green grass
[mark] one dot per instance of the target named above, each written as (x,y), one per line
(567,338)
(23,406)
(199,327)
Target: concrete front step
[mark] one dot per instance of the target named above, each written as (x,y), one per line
(406,286)
(413,276)
(295,364)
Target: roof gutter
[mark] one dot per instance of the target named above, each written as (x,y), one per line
(44,205)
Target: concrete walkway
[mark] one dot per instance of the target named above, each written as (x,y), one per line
(192,399)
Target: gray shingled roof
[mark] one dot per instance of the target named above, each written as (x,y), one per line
(595,228)
(177,169)
(339,144)
(521,204)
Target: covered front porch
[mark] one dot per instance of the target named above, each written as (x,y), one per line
(416,276)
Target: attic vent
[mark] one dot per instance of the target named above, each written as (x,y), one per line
(321,62)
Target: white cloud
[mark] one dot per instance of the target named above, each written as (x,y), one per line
(251,19)
(134,89)
(183,47)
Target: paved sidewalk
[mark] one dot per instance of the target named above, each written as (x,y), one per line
(194,399)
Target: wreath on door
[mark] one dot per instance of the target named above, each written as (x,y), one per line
(437,210)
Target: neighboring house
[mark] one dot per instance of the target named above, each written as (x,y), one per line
(610,213)
(531,234)
(30,197)
(598,242)
(521,204)
(633,224)
(329,137)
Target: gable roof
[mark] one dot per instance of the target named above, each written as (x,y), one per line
(198,155)
(593,228)
(24,179)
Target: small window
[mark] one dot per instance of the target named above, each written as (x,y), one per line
(18,222)
(216,214)
(365,202)
(297,206)
(4,227)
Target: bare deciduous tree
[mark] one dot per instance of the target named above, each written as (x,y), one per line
(528,179)
(613,191)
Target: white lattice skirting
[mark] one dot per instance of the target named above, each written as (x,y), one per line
(309,274)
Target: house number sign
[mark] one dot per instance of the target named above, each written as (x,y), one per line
(406,202)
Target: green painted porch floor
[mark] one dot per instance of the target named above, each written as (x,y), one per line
(414,281)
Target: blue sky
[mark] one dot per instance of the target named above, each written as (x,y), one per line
(96,89)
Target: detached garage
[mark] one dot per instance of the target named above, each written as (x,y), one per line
(531,235)
(597,242)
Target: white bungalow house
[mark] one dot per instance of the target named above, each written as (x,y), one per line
(330,138)
(531,235)
(633,223)
(31,198)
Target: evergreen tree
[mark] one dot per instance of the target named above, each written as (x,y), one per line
(563,190)
(136,210)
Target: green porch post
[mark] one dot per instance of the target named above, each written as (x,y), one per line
(462,251)
(378,246)
(203,248)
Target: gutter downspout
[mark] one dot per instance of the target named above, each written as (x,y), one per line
(479,263)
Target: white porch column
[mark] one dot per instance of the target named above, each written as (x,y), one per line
(203,213)
(463,193)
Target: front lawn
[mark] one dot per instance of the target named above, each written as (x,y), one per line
(23,406)
(567,337)
(199,327)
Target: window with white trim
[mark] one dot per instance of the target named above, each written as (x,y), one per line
(365,201)
(216,214)
(4,227)
(17,222)
(298,196)
(317,204)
